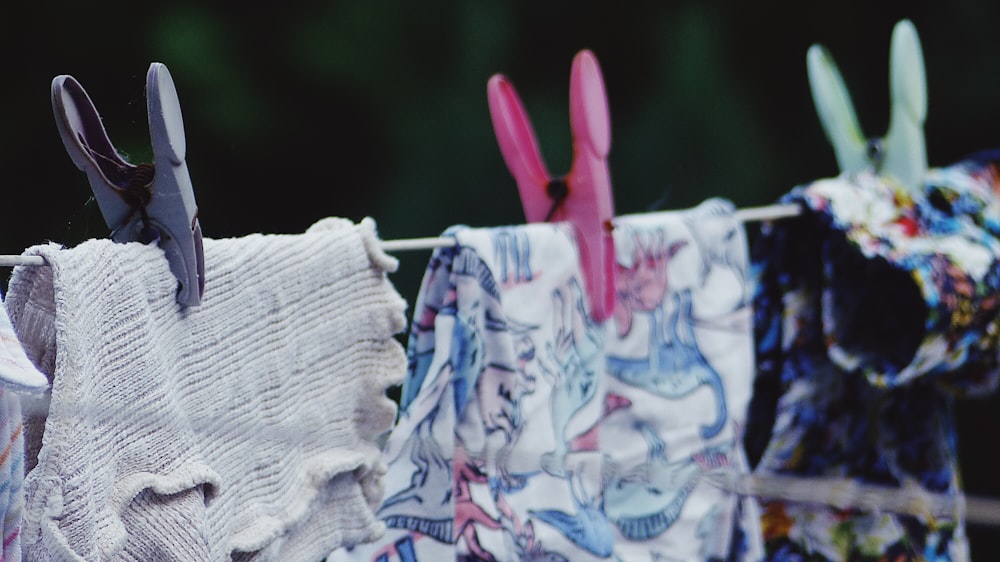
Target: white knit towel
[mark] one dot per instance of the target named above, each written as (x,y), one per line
(240,429)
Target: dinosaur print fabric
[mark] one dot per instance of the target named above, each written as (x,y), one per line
(875,310)
(529,432)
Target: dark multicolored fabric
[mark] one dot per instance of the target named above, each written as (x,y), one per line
(875,310)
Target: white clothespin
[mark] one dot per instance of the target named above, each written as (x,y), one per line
(902,153)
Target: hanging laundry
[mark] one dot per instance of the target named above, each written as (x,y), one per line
(680,353)
(240,429)
(527,431)
(11,474)
(17,375)
(875,310)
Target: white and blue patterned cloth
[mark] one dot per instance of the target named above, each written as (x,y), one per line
(529,432)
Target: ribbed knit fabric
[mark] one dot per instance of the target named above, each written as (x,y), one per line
(242,429)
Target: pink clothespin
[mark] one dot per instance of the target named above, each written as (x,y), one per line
(583,196)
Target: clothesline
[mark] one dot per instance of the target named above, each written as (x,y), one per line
(748,214)
(848,494)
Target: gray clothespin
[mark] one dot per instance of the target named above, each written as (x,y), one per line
(144,202)
(902,153)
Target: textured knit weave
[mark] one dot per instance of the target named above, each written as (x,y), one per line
(243,428)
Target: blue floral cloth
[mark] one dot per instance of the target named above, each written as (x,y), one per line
(874,311)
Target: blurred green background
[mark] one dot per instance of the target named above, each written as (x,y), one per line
(378,108)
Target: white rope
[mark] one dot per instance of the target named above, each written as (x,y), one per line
(843,493)
(417,244)
(749,214)
(770,212)
(11,261)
